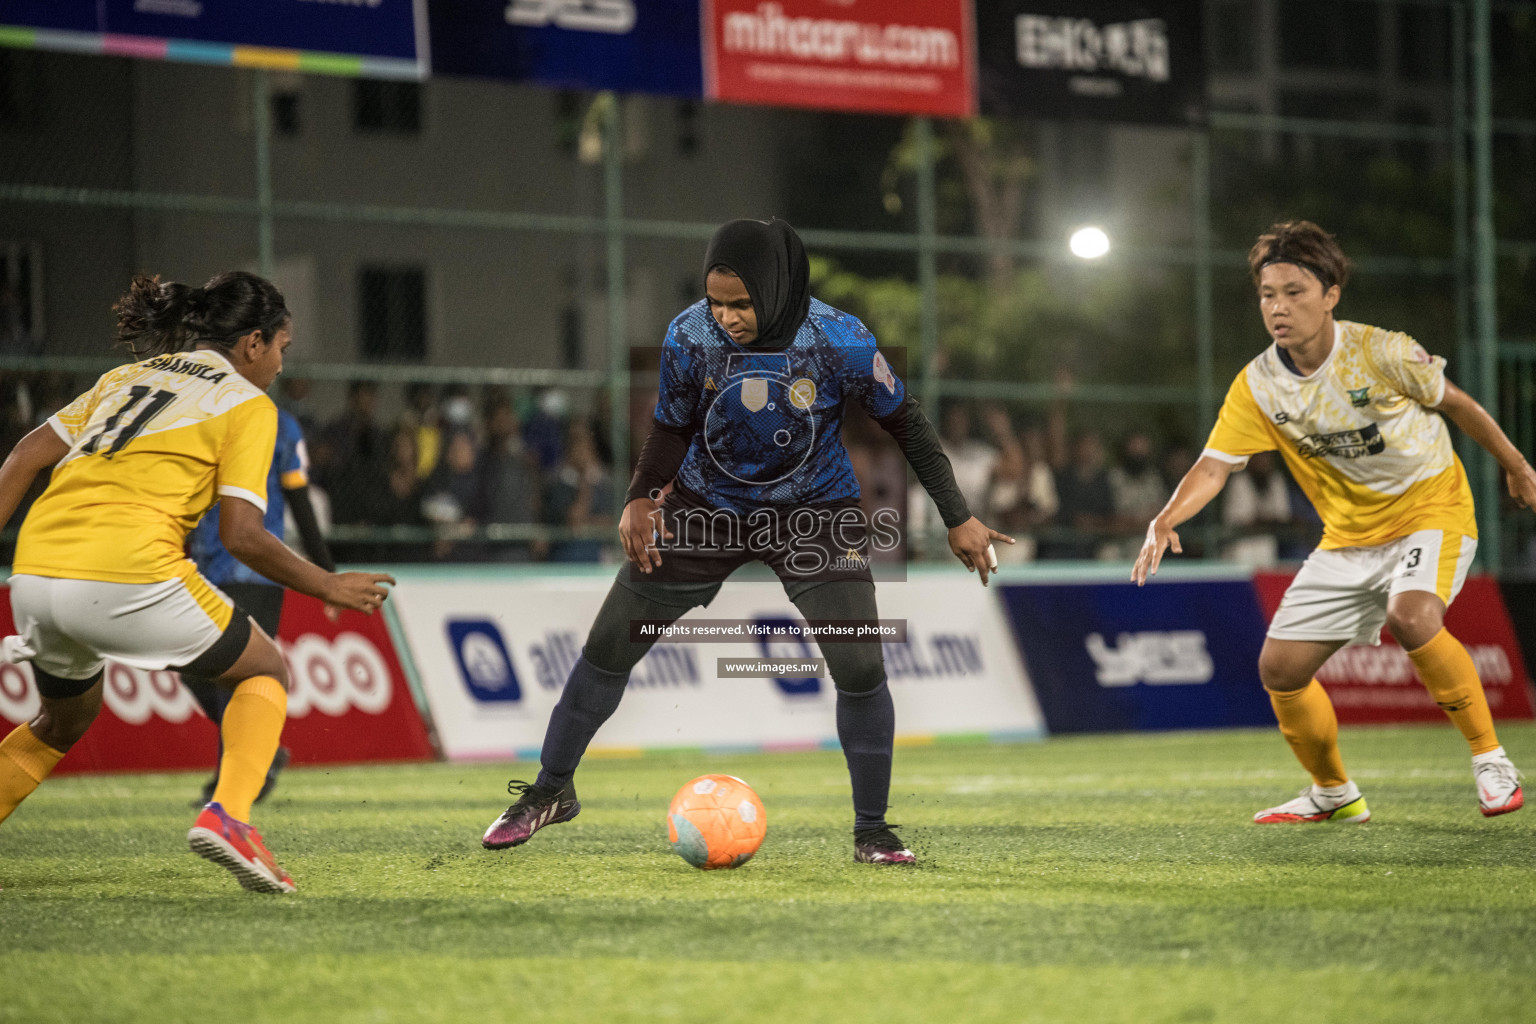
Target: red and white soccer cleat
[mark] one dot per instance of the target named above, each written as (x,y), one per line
(1498,783)
(237,846)
(1315,805)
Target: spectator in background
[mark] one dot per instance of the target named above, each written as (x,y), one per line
(352,444)
(972,461)
(881,469)
(388,492)
(579,495)
(1139,493)
(452,501)
(508,477)
(422,415)
(1086,504)
(1022,494)
(293,397)
(544,431)
(1257,501)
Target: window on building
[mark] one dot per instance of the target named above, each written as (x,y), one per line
(392,313)
(1230,39)
(1329,35)
(287,113)
(570,110)
(380,106)
(687,128)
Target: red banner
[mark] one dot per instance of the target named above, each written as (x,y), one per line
(876,56)
(348,701)
(1371,685)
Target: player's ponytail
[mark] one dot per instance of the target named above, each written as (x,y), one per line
(155,319)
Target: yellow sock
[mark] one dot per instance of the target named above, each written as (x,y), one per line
(253,724)
(1309,725)
(1448,673)
(25,762)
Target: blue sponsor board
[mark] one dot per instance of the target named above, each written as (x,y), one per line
(1111,657)
(628,45)
(484,665)
(366,28)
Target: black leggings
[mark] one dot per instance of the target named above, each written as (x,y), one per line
(855,667)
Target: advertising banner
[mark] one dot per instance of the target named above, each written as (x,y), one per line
(875,56)
(493,656)
(1111,60)
(1106,657)
(628,45)
(1378,684)
(349,701)
(381,38)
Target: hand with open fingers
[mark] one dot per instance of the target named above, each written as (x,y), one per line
(1522,486)
(971,542)
(361,591)
(1160,537)
(639,528)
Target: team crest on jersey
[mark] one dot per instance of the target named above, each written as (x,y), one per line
(709,384)
(883,374)
(754,393)
(1359,397)
(802,393)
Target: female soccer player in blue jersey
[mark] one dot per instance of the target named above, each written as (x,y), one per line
(754,379)
(287,490)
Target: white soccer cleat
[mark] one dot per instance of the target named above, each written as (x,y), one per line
(1315,805)
(1498,783)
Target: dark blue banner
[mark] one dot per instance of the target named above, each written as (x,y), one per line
(626,45)
(1112,657)
(366,28)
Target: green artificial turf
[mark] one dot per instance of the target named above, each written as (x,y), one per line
(1109,878)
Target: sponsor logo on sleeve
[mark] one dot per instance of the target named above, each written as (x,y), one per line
(883,374)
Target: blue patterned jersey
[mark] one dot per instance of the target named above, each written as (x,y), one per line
(768,425)
(290,469)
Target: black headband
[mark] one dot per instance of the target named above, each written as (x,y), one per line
(1323,278)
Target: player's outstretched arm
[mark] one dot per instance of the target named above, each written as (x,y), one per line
(1203,482)
(971,542)
(39,450)
(242,531)
(1465,411)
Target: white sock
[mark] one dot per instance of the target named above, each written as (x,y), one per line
(1332,792)
(1496,754)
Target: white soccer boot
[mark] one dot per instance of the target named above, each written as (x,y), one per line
(1315,805)
(1498,783)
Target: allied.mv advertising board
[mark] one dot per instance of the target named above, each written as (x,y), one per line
(493,658)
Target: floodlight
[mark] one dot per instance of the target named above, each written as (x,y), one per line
(1089,243)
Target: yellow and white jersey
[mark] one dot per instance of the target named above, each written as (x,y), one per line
(152,446)
(1359,435)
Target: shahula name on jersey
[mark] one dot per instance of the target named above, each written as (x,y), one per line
(883,373)
(176,364)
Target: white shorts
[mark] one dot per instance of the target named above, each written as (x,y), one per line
(1342,593)
(68,628)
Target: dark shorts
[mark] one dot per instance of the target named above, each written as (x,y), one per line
(804,547)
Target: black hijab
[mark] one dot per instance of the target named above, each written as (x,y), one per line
(770,260)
